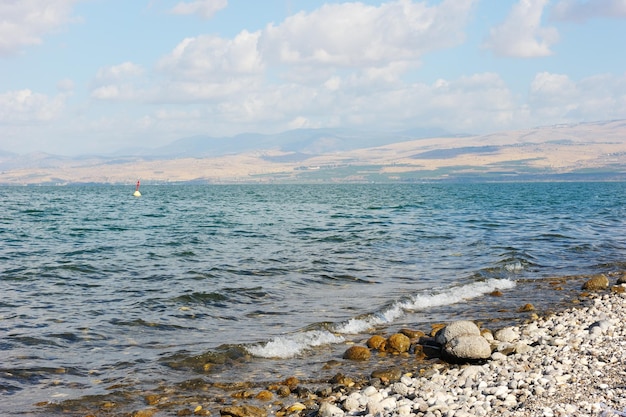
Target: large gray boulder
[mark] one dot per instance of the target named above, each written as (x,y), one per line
(455,329)
(467,347)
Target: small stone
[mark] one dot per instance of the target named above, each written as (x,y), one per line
(527,307)
(329,410)
(387,375)
(376,342)
(506,334)
(412,334)
(596,283)
(398,343)
(264,395)
(357,353)
(296,407)
(243,411)
(148,412)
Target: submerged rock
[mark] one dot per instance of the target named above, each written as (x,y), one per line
(357,353)
(376,342)
(398,343)
(596,283)
(243,411)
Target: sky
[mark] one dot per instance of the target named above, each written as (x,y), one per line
(96,76)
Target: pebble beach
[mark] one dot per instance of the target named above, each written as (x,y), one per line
(574,364)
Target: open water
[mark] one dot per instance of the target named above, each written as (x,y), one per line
(99,289)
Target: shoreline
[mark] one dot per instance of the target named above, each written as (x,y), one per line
(571,367)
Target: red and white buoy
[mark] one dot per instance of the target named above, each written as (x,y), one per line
(137,193)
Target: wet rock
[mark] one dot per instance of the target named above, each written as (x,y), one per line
(357,353)
(296,408)
(264,395)
(291,382)
(412,334)
(387,375)
(435,328)
(621,279)
(596,283)
(467,347)
(455,329)
(243,411)
(148,412)
(376,342)
(526,308)
(398,343)
(341,379)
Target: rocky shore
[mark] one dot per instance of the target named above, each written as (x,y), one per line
(570,363)
(573,364)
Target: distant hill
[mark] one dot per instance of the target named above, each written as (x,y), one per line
(580,151)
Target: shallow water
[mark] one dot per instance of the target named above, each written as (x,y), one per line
(239,282)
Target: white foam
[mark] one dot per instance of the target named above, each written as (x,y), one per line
(424,301)
(292,345)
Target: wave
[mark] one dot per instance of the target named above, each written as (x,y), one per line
(291,345)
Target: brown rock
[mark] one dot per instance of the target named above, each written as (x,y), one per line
(436,327)
(357,353)
(264,395)
(152,399)
(496,293)
(621,279)
(291,382)
(387,375)
(526,308)
(376,342)
(412,334)
(283,391)
(148,412)
(243,411)
(341,379)
(596,283)
(618,289)
(398,343)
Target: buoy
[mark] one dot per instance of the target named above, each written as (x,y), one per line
(137,193)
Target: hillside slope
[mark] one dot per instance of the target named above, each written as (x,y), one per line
(582,151)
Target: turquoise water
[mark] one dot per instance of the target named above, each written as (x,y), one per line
(101,288)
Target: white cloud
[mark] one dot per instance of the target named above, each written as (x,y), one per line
(207,57)
(203,8)
(116,72)
(556,98)
(378,44)
(581,11)
(118,82)
(355,34)
(24,22)
(521,34)
(25,106)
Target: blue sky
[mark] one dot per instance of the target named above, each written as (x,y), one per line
(95,76)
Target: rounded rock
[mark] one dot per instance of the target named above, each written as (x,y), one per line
(468,347)
(398,343)
(357,353)
(454,329)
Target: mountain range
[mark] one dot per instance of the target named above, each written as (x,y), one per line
(584,151)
